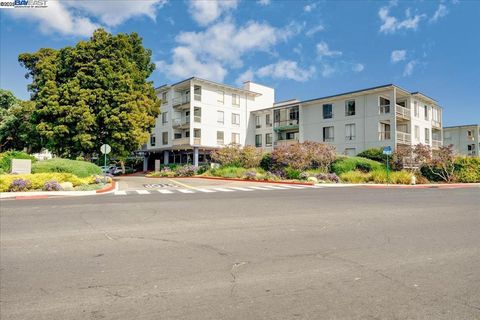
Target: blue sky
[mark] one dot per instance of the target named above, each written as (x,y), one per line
(304,49)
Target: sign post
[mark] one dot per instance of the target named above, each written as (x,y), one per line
(105,149)
(388,151)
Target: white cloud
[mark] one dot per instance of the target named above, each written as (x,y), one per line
(441,12)
(56,18)
(186,64)
(391,24)
(310,32)
(398,55)
(409,68)
(248,75)
(205,12)
(327,70)
(323,50)
(309,7)
(286,69)
(358,67)
(264,2)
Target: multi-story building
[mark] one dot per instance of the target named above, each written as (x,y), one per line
(198,116)
(465,139)
(355,121)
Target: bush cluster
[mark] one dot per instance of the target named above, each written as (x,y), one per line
(178,171)
(346,164)
(377,176)
(375,154)
(81,169)
(38,181)
(236,156)
(303,156)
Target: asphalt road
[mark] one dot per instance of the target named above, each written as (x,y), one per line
(336,253)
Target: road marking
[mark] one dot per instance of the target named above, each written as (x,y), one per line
(223,189)
(277,187)
(142,192)
(182,184)
(241,189)
(120,193)
(260,188)
(186,191)
(293,187)
(165,191)
(206,190)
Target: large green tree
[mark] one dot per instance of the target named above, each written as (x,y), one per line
(96,92)
(17,130)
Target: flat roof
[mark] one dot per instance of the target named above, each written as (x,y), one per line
(212,83)
(462,126)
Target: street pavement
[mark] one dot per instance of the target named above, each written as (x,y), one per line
(311,253)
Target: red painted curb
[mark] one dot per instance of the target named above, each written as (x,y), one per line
(30,197)
(440,186)
(109,188)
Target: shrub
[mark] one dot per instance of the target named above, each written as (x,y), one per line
(186,171)
(267,162)
(250,157)
(331,177)
(81,169)
(346,164)
(355,177)
(303,156)
(401,177)
(375,154)
(304,176)
(38,180)
(228,172)
(467,170)
(19,185)
(52,185)
(229,156)
(270,176)
(292,174)
(6,159)
(250,175)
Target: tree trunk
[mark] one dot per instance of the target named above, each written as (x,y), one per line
(122,164)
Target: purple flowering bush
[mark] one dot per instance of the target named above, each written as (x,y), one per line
(52,185)
(251,175)
(331,177)
(186,171)
(19,185)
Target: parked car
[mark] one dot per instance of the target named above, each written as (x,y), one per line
(111,169)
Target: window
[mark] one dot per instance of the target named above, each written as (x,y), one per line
(220,137)
(164,137)
(427,135)
(220,96)
(268,120)
(258,122)
(470,134)
(350,132)
(235,99)
(425,110)
(235,119)
(258,140)
(416,109)
(327,111)
(293,113)
(268,140)
(197,92)
(220,117)
(328,134)
(384,133)
(197,133)
(187,134)
(235,138)
(153,140)
(417,133)
(164,97)
(197,114)
(350,108)
(384,105)
(291,136)
(164,117)
(471,149)
(177,135)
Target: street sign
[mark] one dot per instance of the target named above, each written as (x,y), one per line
(387,150)
(105,149)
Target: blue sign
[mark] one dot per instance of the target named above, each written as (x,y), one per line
(387,150)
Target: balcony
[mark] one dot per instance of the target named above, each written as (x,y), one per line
(384,135)
(181,123)
(436,124)
(182,102)
(436,144)
(284,143)
(197,141)
(404,138)
(285,125)
(181,142)
(402,112)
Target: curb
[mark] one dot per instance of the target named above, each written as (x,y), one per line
(111,187)
(422,186)
(238,179)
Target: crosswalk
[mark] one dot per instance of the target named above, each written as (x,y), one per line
(213,189)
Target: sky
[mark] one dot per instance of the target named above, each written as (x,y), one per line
(304,49)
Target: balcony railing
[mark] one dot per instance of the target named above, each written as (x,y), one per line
(280,143)
(436,124)
(181,122)
(285,125)
(384,108)
(328,139)
(181,142)
(402,112)
(384,135)
(404,137)
(197,97)
(197,141)
(181,100)
(436,144)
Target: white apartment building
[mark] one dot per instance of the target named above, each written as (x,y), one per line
(198,116)
(465,139)
(355,121)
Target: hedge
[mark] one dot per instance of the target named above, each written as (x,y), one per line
(81,169)
(346,164)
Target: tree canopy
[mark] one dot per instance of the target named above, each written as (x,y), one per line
(96,92)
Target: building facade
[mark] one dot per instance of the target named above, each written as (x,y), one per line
(198,116)
(465,139)
(355,121)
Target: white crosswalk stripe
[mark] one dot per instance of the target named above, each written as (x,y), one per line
(142,192)
(241,189)
(277,187)
(165,191)
(293,187)
(120,193)
(205,190)
(223,189)
(260,188)
(186,191)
